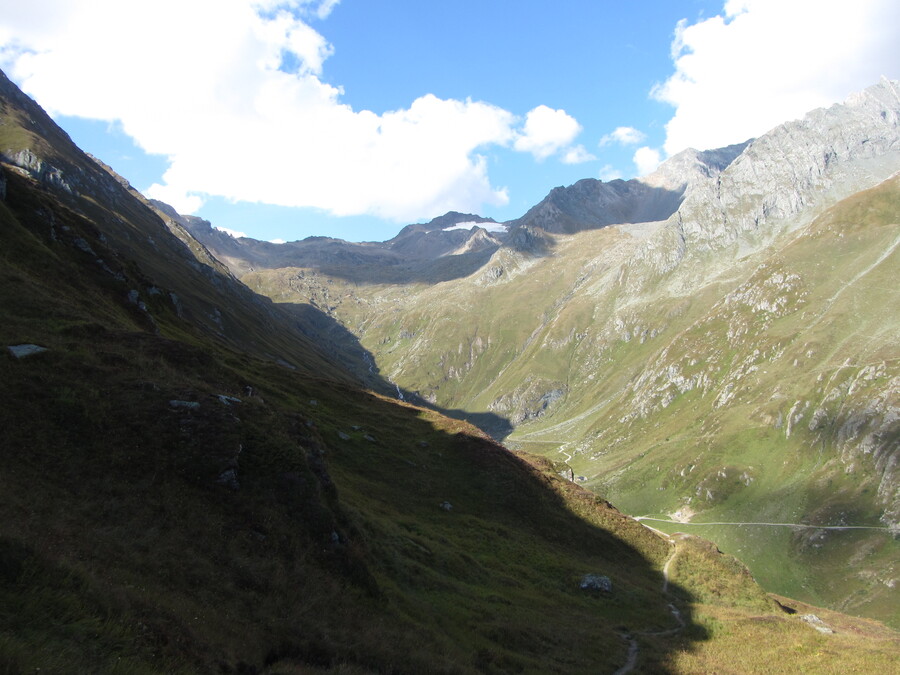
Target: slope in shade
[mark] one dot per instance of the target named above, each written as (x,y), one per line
(175,503)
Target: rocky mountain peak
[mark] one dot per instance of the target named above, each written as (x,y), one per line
(689,166)
(452,218)
(591,204)
(826,156)
(881,98)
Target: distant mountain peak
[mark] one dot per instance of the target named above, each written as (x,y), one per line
(450,219)
(683,169)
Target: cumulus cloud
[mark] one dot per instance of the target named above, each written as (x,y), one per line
(768,61)
(623,136)
(577,155)
(646,160)
(547,132)
(230,91)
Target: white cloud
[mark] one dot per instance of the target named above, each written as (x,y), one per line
(768,61)
(646,160)
(205,83)
(176,197)
(547,132)
(325,7)
(276,241)
(608,173)
(230,233)
(577,155)
(623,136)
(318,8)
(297,38)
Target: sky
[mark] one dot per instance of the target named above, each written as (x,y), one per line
(352,118)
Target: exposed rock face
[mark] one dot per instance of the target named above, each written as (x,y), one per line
(592,204)
(824,157)
(39,169)
(531,400)
(692,167)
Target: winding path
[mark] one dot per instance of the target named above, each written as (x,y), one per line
(800,526)
(631,639)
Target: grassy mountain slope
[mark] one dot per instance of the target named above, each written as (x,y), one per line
(172,503)
(761,386)
(177,499)
(296,526)
(113,228)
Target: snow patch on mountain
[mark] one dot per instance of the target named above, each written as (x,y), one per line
(468,225)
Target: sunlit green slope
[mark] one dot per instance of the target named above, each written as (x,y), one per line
(754,386)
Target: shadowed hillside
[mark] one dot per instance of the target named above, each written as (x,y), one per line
(191,484)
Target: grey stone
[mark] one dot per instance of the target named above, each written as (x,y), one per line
(816,623)
(596,582)
(447,506)
(25,350)
(190,405)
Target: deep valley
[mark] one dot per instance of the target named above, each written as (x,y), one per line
(226,455)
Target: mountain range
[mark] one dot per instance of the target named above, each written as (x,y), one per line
(223,455)
(717,339)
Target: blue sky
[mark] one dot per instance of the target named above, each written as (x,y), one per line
(352,118)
